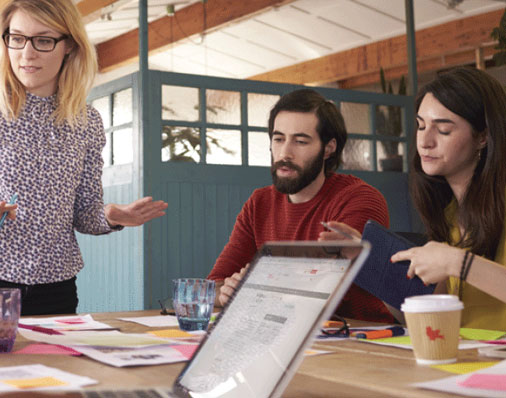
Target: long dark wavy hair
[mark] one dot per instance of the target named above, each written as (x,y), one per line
(481,100)
(330,121)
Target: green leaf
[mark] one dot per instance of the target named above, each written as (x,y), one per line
(383,80)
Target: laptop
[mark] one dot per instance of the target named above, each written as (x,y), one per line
(257,343)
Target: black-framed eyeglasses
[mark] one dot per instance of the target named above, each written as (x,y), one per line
(343,330)
(45,44)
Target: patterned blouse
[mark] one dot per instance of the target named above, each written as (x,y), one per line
(57,173)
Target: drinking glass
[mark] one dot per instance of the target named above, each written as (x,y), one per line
(10,309)
(193,302)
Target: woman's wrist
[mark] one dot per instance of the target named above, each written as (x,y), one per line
(112,224)
(454,264)
(107,212)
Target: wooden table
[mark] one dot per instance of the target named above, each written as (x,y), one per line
(354,369)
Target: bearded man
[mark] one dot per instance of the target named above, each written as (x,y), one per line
(307,137)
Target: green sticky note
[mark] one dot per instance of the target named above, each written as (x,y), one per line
(464,367)
(480,334)
(403,340)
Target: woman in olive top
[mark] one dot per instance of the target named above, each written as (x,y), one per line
(458,185)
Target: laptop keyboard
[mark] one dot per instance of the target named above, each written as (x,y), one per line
(125,394)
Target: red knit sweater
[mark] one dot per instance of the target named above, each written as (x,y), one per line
(269,216)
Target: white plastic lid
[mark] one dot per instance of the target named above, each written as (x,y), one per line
(432,303)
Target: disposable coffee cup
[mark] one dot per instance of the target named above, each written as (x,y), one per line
(433,323)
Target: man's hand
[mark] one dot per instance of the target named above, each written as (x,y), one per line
(230,285)
(334,235)
(135,213)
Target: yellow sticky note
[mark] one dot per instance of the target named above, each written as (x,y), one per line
(464,367)
(36,382)
(171,333)
(480,334)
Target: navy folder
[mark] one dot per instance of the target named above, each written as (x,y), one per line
(385,280)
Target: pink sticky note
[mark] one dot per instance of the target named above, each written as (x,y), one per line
(47,349)
(186,349)
(485,381)
(71,321)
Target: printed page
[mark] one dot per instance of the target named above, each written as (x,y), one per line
(485,383)
(66,323)
(40,377)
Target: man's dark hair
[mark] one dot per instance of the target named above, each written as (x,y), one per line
(330,121)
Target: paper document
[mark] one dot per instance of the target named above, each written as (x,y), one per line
(484,383)
(159,320)
(153,355)
(104,338)
(405,342)
(154,321)
(68,323)
(40,377)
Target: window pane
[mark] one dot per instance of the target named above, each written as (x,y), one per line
(259,106)
(356,117)
(102,106)
(180,103)
(180,144)
(258,149)
(122,151)
(223,107)
(223,147)
(357,155)
(122,107)
(106,152)
(390,156)
(389,123)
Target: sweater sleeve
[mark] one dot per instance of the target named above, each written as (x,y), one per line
(362,202)
(240,248)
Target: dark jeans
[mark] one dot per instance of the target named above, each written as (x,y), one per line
(47,298)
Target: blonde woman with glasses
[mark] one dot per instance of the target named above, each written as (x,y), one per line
(50,155)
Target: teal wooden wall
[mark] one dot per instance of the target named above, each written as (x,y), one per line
(133,268)
(113,277)
(113,274)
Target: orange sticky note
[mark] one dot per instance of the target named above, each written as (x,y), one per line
(36,382)
(171,333)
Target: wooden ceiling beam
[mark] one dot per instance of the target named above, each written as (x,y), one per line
(87,7)
(426,65)
(124,49)
(436,47)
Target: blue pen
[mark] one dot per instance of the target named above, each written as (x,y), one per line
(13,200)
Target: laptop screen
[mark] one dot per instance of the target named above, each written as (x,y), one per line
(257,342)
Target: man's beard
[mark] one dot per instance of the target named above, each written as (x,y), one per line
(305,176)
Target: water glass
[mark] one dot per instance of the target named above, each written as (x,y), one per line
(10,309)
(193,302)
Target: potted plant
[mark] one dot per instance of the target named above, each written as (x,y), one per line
(389,123)
(499,34)
(182,144)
